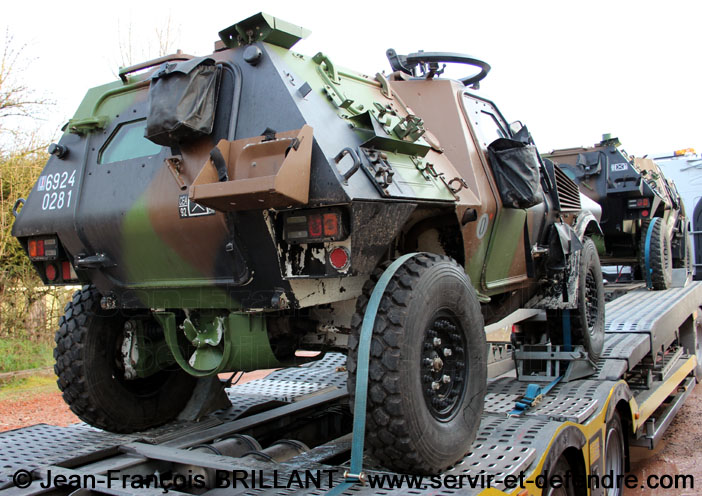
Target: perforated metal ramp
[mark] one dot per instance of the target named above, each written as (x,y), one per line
(40,445)
(504,445)
(32,447)
(653,313)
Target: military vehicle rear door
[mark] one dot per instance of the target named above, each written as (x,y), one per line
(135,211)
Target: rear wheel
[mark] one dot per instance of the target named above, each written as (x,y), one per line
(655,254)
(427,370)
(587,319)
(90,371)
(560,475)
(614,453)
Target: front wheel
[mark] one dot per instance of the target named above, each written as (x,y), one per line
(587,319)
(427,370)
(89,367)
(655,254)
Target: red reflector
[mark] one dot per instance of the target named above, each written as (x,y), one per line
(339,258)
(331,225)
(644,213)
(50,272)
(314,226)
(65,270)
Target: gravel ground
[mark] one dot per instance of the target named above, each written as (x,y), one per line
(680,452)
(39,401)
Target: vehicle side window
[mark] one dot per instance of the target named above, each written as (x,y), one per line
(128,142)
(485,119)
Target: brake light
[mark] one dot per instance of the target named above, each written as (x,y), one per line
(314,226)
(638,203)
(36,248)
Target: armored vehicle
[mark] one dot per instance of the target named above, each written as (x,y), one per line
(225,211)
(643,217)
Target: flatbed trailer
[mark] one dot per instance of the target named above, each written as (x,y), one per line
(301,415)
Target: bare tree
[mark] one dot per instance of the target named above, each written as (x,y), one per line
(134,49)
(16,99)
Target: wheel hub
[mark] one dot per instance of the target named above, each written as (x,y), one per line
(443,370)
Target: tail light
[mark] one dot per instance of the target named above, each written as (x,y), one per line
(312,226)
(43,248)
(51,260)
(36,248)
(638,203)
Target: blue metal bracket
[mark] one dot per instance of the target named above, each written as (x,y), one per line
(567,336)
(355,473)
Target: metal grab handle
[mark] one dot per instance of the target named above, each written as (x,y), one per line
(356,162)
(16,212)
(123,71)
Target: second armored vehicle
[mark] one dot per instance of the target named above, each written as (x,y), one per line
(643,218)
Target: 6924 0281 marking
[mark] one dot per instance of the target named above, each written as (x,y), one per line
(58,189)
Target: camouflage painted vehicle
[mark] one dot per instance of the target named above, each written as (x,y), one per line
(253,220)
(643,217)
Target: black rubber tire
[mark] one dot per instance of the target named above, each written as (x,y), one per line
(87,345)
(560,470)
(403,432)
(661,258)
(588,319)
(698,345)
(615,453)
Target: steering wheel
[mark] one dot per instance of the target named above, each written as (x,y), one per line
(430,61)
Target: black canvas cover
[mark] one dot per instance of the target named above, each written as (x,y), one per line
(182,101)
(516,169)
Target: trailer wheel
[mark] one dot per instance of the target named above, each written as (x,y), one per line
(614,452)
(428,367)
(660,263)
(560,472)
(587,320)
(698,346)
(88,358)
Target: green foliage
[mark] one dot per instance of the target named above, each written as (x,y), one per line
(28,311)
(21,354)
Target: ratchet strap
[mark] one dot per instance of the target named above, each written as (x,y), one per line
(355,474)
(534,393)
(532,396)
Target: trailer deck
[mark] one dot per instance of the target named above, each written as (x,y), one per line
(644,373)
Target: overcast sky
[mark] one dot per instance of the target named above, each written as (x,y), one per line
(569,70)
